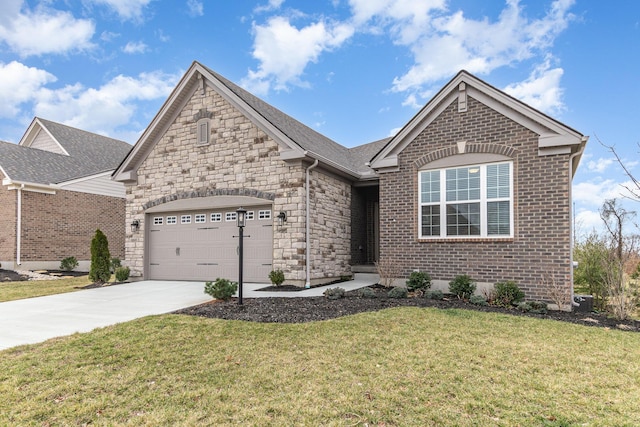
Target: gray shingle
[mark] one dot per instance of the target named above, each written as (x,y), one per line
(89,154)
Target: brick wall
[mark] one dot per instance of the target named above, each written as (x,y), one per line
(55,226)
(7,223)
(540,249)
(239,157)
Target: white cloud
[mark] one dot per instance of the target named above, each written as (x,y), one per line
(104,109)
(18,85)
(594,193)
(284,51)
(599,165)
(126,9)
(44,30)
(271,5)
(195,8)
(451,42)
(541,90)
(135,47)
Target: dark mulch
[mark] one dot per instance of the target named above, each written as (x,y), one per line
(301,309)
(100,285)
(11,276)
(64,273)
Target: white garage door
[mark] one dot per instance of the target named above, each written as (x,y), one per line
(203,245)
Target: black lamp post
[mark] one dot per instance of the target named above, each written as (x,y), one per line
(241,221)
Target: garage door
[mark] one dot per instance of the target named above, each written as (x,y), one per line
(203,245)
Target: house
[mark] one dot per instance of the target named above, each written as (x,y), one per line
(56,190)
(476,183)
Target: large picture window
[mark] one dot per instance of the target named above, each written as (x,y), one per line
(469,201)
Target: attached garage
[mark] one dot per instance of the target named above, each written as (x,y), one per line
(200,243)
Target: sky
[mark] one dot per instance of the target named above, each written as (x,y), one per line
(354,70)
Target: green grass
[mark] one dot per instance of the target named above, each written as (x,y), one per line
(397,367)
(10,291)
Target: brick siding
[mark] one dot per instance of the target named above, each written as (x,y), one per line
(7,223)
(55,226)
(540,248)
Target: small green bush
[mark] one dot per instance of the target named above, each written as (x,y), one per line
(367,293)
(276,277)
(122,274)
(538,307)
(478,300)
(115,263)
(69,263)
(462,286)
(334,293)
(507,293)
(221,289)
(398,292)
(435,294)
(100,270)
(418,280)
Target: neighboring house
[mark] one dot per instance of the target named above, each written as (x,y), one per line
(476,183)
(56,191)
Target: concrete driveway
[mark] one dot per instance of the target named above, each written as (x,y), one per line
(34,320)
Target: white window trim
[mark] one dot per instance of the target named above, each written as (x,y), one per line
(172,220)
(264,214)
(200,218)
(250,215)
(158,220)
(483,204)
(185,219)
(230,216)
(216,217)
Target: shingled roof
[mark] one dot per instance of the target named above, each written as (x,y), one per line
(88,154)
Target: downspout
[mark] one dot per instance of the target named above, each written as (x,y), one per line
(308,225)
(19,226)
(571,237)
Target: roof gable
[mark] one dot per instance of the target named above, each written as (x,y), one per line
(554,137)
(296,140)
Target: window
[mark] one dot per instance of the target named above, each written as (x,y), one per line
(185,219)
(158,220)
(202,130)
(230,216)
(250,215)
(172,220)
(469,201)
(264,214)
(200,218)
(216,217)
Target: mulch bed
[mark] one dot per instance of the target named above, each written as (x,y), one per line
(309,309)
(11,276)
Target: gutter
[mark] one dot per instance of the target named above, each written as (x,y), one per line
(19,226)
(308,225)
(571,237)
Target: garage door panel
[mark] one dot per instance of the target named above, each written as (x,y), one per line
(186,250)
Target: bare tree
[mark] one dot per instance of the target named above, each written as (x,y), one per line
(634,188)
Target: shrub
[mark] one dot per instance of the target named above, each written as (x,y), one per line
(388,269)
(436,294)
(462,286)
(221,289)
(115,263)
(100,259)
(507,293)
(122,273)
(367,293)
(538,307)
(276,277)
(334,293)
(398,292)
(478,300)
(419,280)
(69,263)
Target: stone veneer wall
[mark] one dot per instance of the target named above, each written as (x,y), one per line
(239,157)
(56,226)
(8,200)
(540,249)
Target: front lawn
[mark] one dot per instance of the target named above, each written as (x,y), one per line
(10,291)
(396,367)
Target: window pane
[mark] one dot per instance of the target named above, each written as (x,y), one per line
(463,184)
(463,219)
(431,220)
(498,218)
(430,187)
(498,181)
